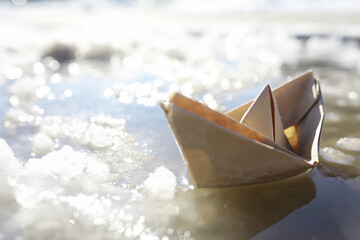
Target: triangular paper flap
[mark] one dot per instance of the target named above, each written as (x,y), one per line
(263,116)
(218,157)
(305,136)
(279,135)
(294,100)
(222,120)
(259,115)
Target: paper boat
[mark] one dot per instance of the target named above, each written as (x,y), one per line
(273,137)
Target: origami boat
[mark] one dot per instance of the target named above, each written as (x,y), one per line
(273,137)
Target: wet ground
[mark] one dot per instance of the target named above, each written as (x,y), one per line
(96,159)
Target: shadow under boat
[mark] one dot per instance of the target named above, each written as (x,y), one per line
(243,212)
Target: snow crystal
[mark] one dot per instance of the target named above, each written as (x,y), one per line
(352,144)
(161,184)
(335,156)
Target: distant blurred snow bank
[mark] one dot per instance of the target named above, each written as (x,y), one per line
(209,6)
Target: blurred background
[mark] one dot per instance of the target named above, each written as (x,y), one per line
(87,151)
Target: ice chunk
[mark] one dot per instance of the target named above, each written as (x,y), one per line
(67,164)
(335,156)
(102,132)
(107,121)
(42,144)
(8,167)
(352,144)
(62,171)
(161,184)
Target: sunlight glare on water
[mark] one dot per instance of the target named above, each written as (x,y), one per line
(86,153)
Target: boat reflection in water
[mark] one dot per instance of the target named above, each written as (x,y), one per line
(243,212)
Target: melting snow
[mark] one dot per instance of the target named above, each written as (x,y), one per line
(335,156)
(352,144)
(161,184)
(42,144)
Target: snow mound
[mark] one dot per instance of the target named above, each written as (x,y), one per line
(352,144)
(42,144)
(161,184)
(8,168)
(335,156)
